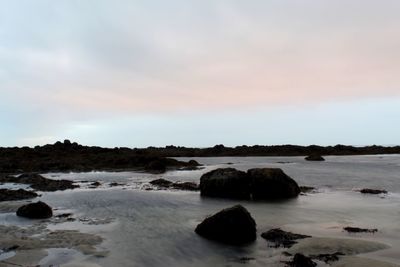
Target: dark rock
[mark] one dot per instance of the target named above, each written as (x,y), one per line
(113,184)
(299,260)
(272,183)
(95,184)
(327,258)
(161,183)
(314,158)
(226,182)
(282,238)
(38,182)
(9,195)
(233,226)
(38,210)
(359,230)
(192,162)
(156,166)
(373,191)
(189,186)
(12,248)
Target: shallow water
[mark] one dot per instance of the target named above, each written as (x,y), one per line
(156,228)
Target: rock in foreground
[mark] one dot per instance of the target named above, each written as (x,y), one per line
(38,210)
(233,226)
(260,183)
(9,195)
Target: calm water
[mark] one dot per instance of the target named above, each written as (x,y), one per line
(156,228)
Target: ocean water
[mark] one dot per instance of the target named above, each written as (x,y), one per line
(156,228)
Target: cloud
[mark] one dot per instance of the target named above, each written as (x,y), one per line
(84,60)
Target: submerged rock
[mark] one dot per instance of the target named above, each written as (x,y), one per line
(233,226)
(271,183)
(314,158)
(38,210)
(9,195)
(260,183)
(373,191)
(225,182)
(282,238)
(306,189)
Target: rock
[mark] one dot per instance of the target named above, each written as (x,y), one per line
(233,226)
(299,260)
(271,183)
(161,183)
(282,238)
(225,182)
(9,195)
(38,210)
(38,182)
(113,184)
(189,186)
(327,257)
(192,162)
(95,184)
(373,191)
(314,158)
(156,166)
(256,184)
(359,230)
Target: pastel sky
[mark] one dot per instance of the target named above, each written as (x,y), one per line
(200,73)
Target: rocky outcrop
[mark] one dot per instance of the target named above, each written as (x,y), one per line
(260,183)
(166,184)
(282,238)
(271,183)
(38,210)
(40,183)
(233,226)
(225,182)
(9,195)
(314,158)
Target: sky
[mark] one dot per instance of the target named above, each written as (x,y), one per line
(199,73)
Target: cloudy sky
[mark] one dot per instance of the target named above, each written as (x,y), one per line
(199,73)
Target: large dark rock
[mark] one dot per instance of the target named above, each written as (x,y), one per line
(38,210)
(161,183)
(265,183)
(226,182)
(233,226)
(272,183)
(9,195)
(314,157)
